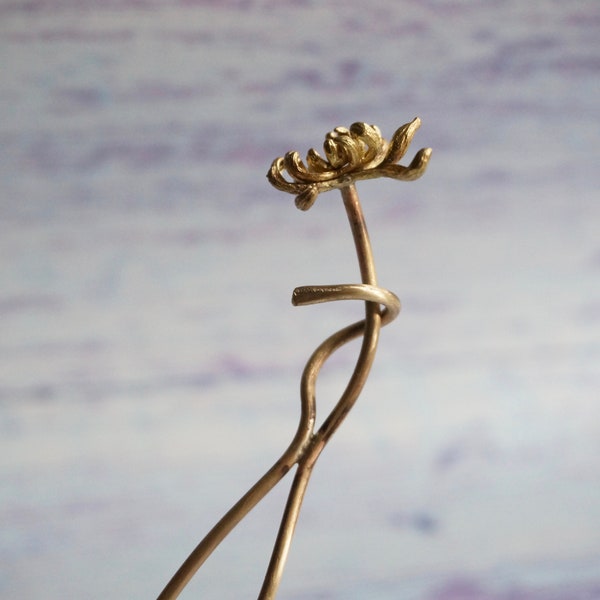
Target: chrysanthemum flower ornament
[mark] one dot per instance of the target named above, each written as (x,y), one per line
(350,155)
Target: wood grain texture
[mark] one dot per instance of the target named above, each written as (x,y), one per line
(133,204)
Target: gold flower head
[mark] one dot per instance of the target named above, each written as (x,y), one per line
(350,155)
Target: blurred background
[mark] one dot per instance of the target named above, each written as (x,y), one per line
(150,356)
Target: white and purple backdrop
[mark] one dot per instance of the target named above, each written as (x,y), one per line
(149,353)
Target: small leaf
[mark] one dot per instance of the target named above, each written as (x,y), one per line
(307,198)
(413,171)
(419,163)
(401,140)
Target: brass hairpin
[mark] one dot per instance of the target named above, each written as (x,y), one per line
(350,155)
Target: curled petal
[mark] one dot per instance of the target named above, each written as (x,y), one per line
(277,180)
(401,140)
(371,137)
(294,166)
(338,131)
(352,152)
(333,154)
(317,163)
(299,172)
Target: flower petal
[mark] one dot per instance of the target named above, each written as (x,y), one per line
(316,162)
(276,178)
(371,137)
(401,140)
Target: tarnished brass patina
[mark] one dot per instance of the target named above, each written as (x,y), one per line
(351,154)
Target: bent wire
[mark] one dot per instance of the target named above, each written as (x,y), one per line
(353,154)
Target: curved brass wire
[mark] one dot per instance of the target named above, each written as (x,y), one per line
(381,307)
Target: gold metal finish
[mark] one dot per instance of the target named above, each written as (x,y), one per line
(351,154)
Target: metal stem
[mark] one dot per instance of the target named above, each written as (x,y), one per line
(308,459)
(307,445)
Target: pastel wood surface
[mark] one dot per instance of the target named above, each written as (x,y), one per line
(150,355)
